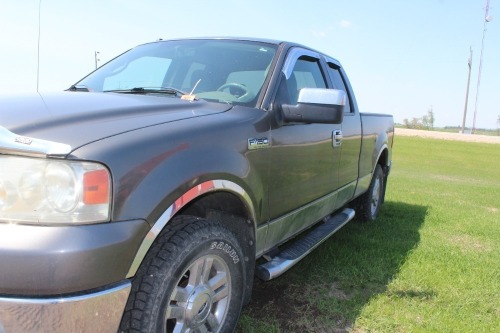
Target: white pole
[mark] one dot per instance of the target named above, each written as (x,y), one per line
(95,58)
(467,92)
(487,18)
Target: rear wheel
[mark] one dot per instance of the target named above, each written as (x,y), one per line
(372,200)
(191,281)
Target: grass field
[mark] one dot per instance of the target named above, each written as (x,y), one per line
(430,263)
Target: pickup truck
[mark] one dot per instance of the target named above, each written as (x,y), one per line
(147,196)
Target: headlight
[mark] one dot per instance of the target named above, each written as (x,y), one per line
(47,191)
(61,187)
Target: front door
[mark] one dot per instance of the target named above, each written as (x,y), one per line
(304,161)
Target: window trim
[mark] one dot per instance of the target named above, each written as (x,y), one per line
(293,55)
(291,59)
(336,66)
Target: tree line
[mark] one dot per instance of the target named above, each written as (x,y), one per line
(425,122)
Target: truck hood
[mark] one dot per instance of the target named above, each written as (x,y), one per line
(78,118)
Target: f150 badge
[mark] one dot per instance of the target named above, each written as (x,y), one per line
(258,143)
(24,140)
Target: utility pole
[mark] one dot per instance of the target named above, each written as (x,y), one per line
(467,92)
(487,18)
(95,58)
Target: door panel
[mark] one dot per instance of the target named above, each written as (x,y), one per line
(304,163)
(303,166)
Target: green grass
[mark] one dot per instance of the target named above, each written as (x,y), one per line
(430,263)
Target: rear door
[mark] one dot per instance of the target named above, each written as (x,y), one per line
(351,136)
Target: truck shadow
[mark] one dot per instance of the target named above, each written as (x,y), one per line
(328,289)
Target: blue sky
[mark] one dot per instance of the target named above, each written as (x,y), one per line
(402,56)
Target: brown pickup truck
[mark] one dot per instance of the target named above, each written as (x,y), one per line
(140,199)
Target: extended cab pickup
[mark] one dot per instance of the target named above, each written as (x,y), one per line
(141,198)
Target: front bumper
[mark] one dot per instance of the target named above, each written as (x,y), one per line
(46,261)
(98,311)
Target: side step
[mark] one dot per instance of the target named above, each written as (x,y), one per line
(285,259)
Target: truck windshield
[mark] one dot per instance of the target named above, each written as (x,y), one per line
(227,71)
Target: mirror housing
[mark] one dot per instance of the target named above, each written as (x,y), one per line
(316,105)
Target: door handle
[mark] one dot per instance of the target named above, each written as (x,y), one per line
(337,138)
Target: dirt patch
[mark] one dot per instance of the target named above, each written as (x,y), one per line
(493,210)
(468,243)
(289,305)
(447,136)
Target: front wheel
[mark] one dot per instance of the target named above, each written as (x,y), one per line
(191,281)
(372,200)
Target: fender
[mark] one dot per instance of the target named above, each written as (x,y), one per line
(191,194)
(364,180)
(155,166)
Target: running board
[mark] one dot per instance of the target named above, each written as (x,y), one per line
(284,260)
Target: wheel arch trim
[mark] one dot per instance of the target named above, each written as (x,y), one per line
(216,185)
(384,149)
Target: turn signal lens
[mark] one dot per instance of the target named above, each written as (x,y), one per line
(96,187)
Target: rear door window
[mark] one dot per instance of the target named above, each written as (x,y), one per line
(338,83)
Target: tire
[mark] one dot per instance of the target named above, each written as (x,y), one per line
(192,280)
(372,200)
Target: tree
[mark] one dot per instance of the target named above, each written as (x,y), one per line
(416,123)
(430,117)
(498,125)
(425,122)
(406,122)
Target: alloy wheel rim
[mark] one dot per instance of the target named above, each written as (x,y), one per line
(375,196)
(200,300)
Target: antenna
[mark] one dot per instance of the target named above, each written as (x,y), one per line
(38,55)
(190,97)
(192,91)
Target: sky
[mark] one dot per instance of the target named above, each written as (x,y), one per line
(403,57)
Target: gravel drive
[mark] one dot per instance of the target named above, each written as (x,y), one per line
(447,135)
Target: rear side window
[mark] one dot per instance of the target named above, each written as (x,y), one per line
(339,84)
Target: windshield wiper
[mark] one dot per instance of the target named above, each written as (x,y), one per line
(149,90)
(78,87)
